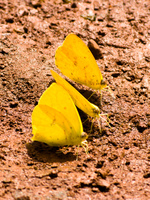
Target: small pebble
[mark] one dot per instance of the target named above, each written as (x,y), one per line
(93,46)
(103,185)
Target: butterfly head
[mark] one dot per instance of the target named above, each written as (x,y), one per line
(96,111)
(103,84)
(84,136)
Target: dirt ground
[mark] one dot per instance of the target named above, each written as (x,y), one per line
(118,163)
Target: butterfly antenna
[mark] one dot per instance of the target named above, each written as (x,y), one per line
(91,95)
(85,120)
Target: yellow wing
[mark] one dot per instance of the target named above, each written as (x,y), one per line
(52,127)
(58,98)
(75,60)
(77,98)
(55,120)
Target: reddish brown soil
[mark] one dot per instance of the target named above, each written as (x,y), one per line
(117,166)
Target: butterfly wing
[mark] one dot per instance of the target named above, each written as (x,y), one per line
(52,127)
(79,100)
(75,60)
(59,99)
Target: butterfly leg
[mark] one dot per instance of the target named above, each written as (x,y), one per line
(110,91)
(99,121)
(100,92)
(84,144)
(106,120)
(77,153)
(91,126)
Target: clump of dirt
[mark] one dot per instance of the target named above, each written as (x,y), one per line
(117,165)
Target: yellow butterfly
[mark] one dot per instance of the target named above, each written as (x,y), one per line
(55,120)
(79,100)
(75,60)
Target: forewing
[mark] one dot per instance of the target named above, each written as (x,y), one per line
(58,98)
(51,127)
(76,61)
